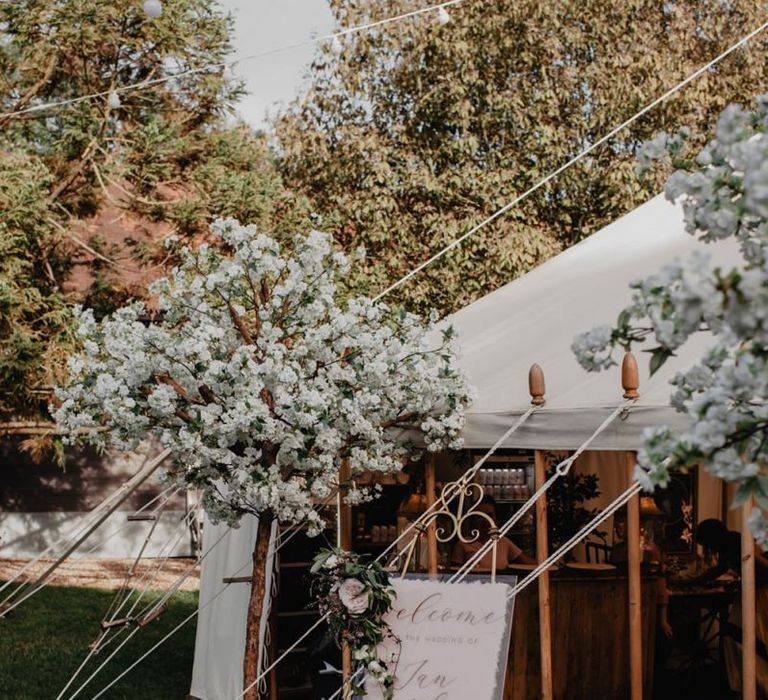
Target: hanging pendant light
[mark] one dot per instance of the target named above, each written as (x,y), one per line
(442,16)
(153,8)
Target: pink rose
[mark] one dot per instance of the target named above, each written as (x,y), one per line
(353,596)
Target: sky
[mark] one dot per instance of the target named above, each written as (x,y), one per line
(262,25)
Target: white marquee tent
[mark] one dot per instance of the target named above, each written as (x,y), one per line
(531,320)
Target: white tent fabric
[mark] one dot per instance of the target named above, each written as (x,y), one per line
(217,673)
(535,319)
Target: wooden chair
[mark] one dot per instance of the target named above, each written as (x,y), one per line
(598,551)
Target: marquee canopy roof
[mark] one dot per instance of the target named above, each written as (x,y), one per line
(535,318)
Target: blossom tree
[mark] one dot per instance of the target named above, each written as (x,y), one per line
(724,193)
(262,381)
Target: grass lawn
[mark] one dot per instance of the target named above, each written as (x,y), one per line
(44,640)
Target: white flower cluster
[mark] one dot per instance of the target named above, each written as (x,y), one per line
(261,382)
(593,348)
(725,394)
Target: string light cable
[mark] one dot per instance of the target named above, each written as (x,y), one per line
(502,210)
(334,38)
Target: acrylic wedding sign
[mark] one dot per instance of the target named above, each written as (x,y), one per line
(453,640)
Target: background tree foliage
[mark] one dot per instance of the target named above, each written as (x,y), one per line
(165,161)
(418,131)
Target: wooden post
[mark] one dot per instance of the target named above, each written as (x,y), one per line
(537,389)
(630,381)
(748,607)
(344,541)
(545,625)
(431,497)
(635,590)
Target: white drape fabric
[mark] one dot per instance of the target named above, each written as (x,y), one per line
(217,673)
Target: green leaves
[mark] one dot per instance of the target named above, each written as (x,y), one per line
(164,160)
(415,133)
(659,356)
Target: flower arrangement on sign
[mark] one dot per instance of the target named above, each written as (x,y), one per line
(355,594)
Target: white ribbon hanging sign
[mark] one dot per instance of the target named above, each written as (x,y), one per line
(454,640)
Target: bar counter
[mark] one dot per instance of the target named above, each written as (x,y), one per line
(590,639)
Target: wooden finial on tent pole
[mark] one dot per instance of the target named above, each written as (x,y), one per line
(536,385)
(630,376)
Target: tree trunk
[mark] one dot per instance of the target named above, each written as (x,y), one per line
(256,607)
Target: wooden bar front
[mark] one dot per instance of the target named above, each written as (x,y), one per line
(590,639)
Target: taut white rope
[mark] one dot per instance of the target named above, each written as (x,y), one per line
(163,599)
(524,417)
(169,634)
(38,586)
(75,532)
(333,36)
(615,505)
(114,609)
(573,160)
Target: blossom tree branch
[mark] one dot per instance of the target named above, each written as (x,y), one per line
(724,194)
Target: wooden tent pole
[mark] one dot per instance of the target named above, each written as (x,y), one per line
(635,590)
(431,497)
(748,607)
(630,380)
(537,390)
(542,546)
(344,541)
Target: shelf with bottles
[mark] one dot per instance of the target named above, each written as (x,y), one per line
(508,479)
(374,524)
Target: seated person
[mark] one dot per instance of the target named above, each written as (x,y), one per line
(724,546)
(507,551)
